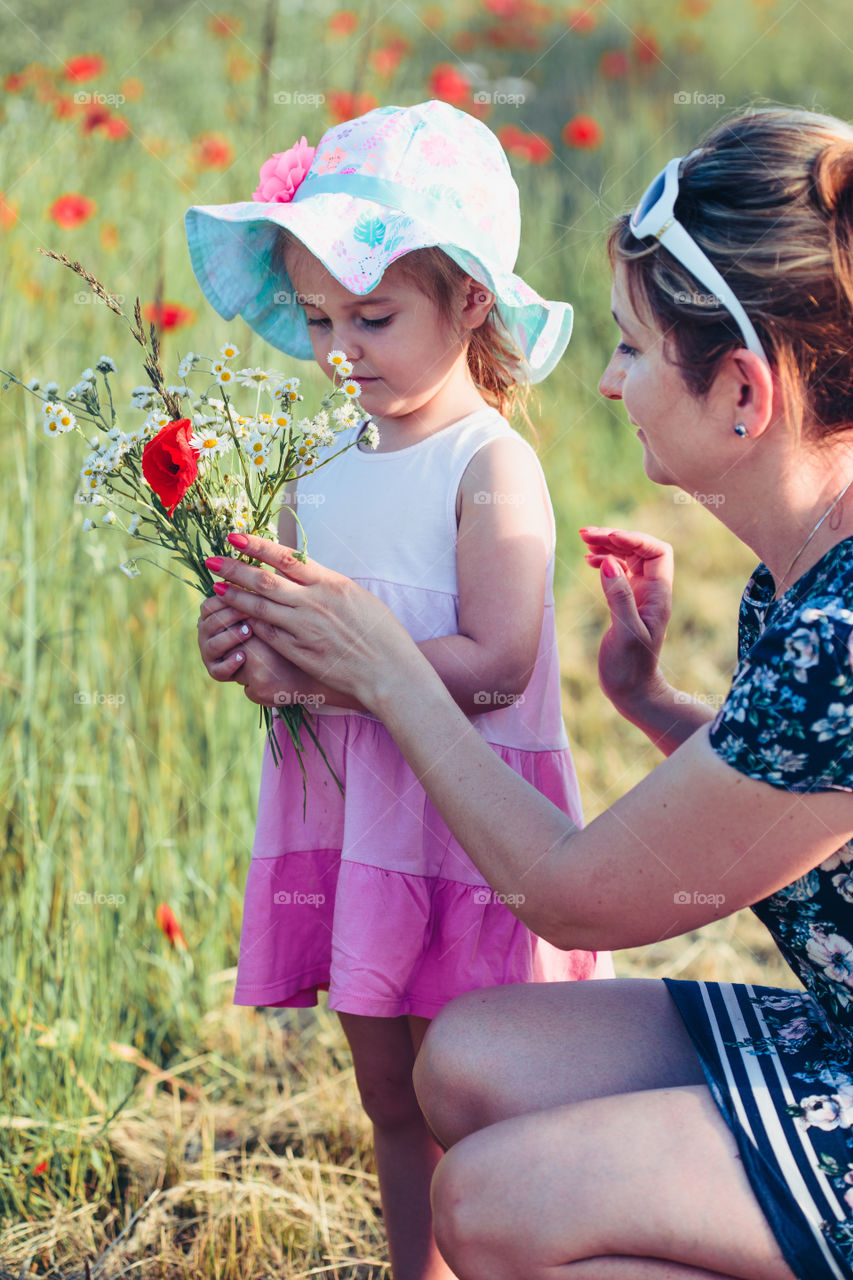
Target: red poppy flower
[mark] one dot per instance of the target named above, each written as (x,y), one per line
(40,1168)
(343,105)
(533,147)
(212,151)
(95,115)
(170,465)
(164,915)
(582,20)
(84,67)
(71,210)
(224,25)
(116,128)
(8,212)
(583,132)
(16,81)
(448,83)
(613,64)
(63,108)
(646,47)
(386,60)
(168,315)
(131,89)
(343,23)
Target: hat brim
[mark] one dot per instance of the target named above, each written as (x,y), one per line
(230,247)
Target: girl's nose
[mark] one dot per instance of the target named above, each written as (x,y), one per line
(610,384)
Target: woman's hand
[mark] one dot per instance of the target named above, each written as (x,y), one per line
(319,621)
(636,577)
(222,636)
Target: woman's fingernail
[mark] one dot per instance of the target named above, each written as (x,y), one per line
(238,540)
(220,588)
(610,570)
(238,657)
(214,563)
(245,630)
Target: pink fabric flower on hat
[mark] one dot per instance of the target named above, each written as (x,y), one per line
(283,172)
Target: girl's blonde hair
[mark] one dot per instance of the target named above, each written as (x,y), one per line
(770,201)
(494,360)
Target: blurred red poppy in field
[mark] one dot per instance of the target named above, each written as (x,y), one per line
(15,81)
(508,35)
(387,59)
(84,67)
(211,151)
(343,105)
(168,315)
(238,68)
(582,20)
(224,25)
(583,133)
(613,64)
(40,1168)
(95,114)
(63,107)
(131,89)
(448,83)
(532,147)
(8,212)
(71,210)
(524,11)
(646,46)
(433,17)
(116,128)
(108,236)
(343,23)
(164,915)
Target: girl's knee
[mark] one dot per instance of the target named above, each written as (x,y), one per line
(389,1100)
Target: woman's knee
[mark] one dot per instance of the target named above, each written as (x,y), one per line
(467,1229)
(451,1071)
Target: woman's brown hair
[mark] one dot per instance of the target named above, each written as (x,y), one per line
(770,201)
(494,361)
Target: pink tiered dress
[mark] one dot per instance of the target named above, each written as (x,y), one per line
(370,897)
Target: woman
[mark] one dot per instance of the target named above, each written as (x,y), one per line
(643,1128)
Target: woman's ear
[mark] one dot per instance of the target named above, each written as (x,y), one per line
(477,303)
(749,383)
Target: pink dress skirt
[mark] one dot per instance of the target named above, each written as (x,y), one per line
(370,897)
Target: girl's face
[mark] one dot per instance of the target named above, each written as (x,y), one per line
(402,350)
(674,426)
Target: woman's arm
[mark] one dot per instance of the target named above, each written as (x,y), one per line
(637,576)
(692,842)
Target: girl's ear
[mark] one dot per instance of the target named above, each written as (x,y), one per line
(477,303)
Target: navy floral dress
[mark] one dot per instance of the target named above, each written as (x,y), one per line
(780,1063)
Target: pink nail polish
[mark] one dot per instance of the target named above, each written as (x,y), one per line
(238,540)
(220,588)
(214,563)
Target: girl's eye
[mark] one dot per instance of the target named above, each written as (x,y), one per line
(320,320)
(369,324)
(625,350)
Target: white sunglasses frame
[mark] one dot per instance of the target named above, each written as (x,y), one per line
(660,221)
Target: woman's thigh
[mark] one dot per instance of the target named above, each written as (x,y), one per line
(506,1051)
(580,1190)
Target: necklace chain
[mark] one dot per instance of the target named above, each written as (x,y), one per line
(826,513)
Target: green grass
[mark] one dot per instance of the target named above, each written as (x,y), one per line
(252,1143)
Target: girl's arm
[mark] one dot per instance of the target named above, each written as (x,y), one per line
(694,841)
(629,666)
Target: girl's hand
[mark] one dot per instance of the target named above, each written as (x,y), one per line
(222,636)
(320,621)
(271,680)
(636,577)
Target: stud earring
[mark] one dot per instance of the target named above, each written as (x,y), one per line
(482,297)
(740,430)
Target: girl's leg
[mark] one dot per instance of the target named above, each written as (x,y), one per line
(406,1153)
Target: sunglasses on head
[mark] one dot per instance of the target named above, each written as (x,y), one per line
(654,216)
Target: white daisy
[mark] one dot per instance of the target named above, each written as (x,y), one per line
(255,445)
(229,351)
(88,524)
(225,377)
(185,366)
(351,388)
(106,365)
(209,444)
(370,435)
(51,388)
(252,377)
(109,518)
(336,358)
(345,369)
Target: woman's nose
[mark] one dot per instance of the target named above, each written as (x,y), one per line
(610,384)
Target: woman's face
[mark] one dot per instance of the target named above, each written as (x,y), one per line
(674,426)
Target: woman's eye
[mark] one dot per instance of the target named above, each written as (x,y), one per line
(625,350)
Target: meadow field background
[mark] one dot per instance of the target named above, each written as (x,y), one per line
(147,1126)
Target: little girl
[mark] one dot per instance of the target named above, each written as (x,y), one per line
(394,242)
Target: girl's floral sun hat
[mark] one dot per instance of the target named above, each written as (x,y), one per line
(374,188)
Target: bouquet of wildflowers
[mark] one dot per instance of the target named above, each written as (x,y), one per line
(184,477)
